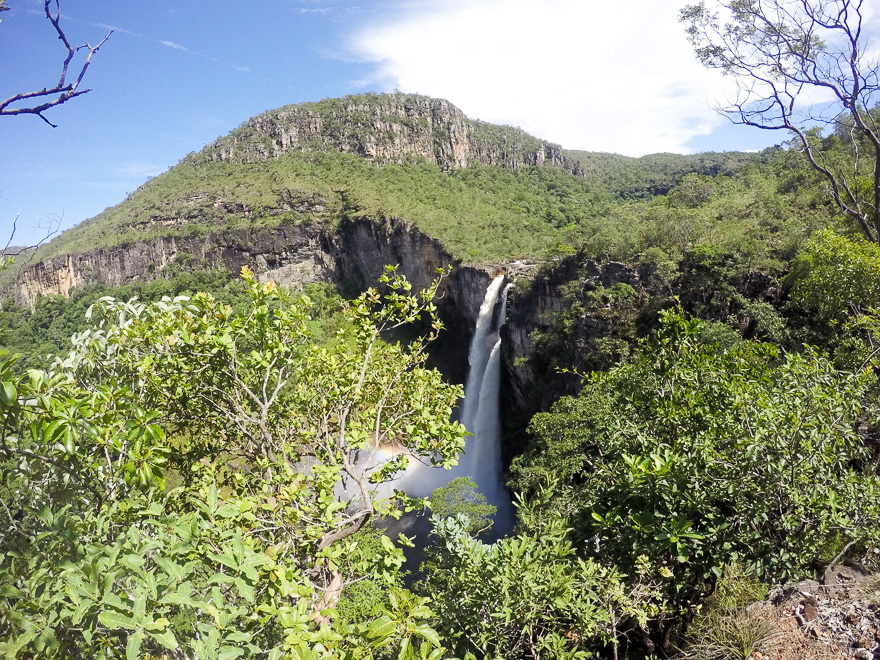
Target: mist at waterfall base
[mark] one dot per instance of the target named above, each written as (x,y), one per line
(481,416)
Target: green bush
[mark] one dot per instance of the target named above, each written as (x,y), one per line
(525,596)
(835,277)
(700,455)
(460,496)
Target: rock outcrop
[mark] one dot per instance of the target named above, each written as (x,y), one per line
(353,256)
(835,618)
(534,306)
(387,128)
(289,255)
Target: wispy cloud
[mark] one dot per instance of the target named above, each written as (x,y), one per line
(138,170)
(243,69)
(316,10)
(171,44)
(116,28)
(47,173)
(573,71)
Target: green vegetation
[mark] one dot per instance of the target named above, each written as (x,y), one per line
(727,628)
(835,277)
(526,596)
(461,497)
(656,174)
(779,53)
(46,330)
(701,455)
(479,213)
(177,484)
(196,473)
(262,424)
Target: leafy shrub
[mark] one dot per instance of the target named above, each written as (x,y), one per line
(460,496)
(525,596)
(834,277)
(268,428)
(700,456)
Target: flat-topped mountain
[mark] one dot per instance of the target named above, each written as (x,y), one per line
(387,129)
(279,192)
(487,192)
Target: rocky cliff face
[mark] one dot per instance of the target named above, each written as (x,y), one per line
(353,256)
(533,307)
(292,255)
(388,128)
(534,304)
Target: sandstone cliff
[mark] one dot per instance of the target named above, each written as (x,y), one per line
(352,256)
(293,254)
(387,128)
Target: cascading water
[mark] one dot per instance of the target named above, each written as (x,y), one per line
(480,415)
(481,409)
(481,347)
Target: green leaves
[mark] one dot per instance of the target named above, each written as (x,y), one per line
(8,393)
(399,625)
(113,619)
(524,591)
(834,276)
(8,591)
(381,628)
(699,455)
(461,496)
(247,539)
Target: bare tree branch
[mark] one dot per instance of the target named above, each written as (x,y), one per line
(779,52)
(10,252)
(62,91)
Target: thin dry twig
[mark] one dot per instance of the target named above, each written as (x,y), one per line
(62,91)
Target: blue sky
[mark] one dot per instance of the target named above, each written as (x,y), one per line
(176,74)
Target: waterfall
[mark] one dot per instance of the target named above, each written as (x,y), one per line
(480,351)
(481,409)
(480,414)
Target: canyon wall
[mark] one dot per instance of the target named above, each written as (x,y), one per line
(352,256)
(293,255)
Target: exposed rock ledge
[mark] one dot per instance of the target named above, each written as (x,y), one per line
(353,255)
(387,128)
(292,254)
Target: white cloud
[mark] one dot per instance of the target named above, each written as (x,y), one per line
(243,69)
(588,74)
(171,44)
(138,170)
(116,28)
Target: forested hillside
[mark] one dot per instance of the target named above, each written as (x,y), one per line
(200,463)
(511,196)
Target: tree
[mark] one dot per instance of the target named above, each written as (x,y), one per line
(702,456)
(802,66)
(834,297)
(835,278)
(277,447)
(9,252)
(38,101)
(460,496)
(526,596)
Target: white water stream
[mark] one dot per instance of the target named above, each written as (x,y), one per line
(480,414)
